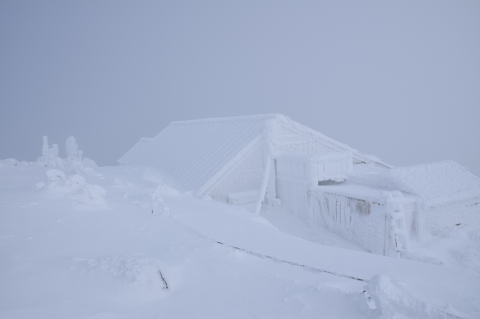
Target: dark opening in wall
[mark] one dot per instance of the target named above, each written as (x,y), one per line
(328,182)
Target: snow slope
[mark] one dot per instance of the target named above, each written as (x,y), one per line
(70,250)
(437,183)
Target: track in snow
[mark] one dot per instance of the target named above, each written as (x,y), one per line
(288,262)
(269,257)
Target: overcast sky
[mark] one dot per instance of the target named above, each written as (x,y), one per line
(398,80)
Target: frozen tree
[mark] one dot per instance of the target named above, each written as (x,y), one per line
(75,161)
(45,147)
(74,158)
(50,156)
(72,150)
(54,151)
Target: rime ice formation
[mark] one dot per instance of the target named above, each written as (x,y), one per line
(250,217)
(271,160)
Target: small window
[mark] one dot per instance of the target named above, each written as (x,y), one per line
(360,206)
(328,182)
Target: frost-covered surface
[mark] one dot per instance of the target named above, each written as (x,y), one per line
(61,261)
(392,299)
(199,150)
(193,258)
(452,235)
(76,187)
(437,183)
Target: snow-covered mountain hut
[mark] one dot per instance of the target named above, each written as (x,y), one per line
(235,158)
(384,210)
(272,160)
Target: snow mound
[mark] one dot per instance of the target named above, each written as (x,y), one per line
(391,299)
(159,207)
(138,271)
(162,191)
(437,183)
(166,190)
(85,195)
(11,162)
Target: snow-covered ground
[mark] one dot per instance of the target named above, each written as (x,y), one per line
(110,243)
(452,236)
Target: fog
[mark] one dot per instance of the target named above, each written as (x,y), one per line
(397,80)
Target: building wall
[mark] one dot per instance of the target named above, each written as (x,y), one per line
(379,221)
(245,176)
(296,174)
(361,221)
(293,195)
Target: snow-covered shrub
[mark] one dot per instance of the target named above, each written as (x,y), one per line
(158,196)
(166,190)
(85,195)
(55,177)
(158,203)
(75,161)
(9,162)
(67,176)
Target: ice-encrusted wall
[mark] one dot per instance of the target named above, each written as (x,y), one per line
(361,221)
(378,220)
(385,223)
(296,174)
(245,175)
(293,196)
(292,181)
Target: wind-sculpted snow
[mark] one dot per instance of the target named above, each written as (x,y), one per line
(437,183)
(140,271)
(84,195)
(60,259)
(391,300)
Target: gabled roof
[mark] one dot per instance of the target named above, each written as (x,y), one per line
(437,183)
(192,152)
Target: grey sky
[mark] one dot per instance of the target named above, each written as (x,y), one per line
(398,80)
